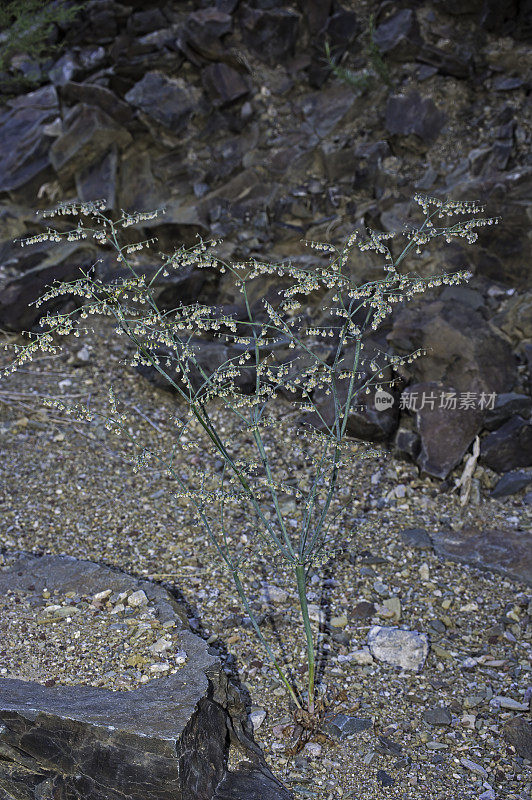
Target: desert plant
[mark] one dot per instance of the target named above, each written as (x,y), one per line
(25,26)
(371,302)
(362,80)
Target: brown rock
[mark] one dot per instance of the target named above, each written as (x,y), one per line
(518,732)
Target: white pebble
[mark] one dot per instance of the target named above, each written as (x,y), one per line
(137,599)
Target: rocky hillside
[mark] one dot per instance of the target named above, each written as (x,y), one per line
(231,116)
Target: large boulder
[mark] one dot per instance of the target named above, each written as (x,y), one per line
(170,737)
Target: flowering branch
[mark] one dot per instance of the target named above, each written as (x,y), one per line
(374,300)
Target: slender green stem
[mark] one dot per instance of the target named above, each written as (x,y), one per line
(300,575)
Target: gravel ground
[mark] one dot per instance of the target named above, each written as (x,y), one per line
(69,487)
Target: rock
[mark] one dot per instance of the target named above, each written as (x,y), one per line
(506,406)
(360,657)
(410,113)
(505,551)
(274,594)
(257,717)
(437,716)
(384,778)
(270,33)
(511,483)
(518,733)
(510,703)
(508,447)
(417,538)
(399,648)
(406,443)
(137,599)
(313,749)
(339,622)
(393,604)
(445,433)
(399,36)
(160,646)
(108,118)
(474,767)
(362,610)
(342,726)
(171,735)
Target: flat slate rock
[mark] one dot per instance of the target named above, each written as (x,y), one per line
(507,552)
(167,740)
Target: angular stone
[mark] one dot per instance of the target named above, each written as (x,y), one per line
(362,610)
(505,551)
(406,443)
(510,483)
(437,716)
(399,37)
(169,738)
(272,33)
(89,133)
(416,537)
(399,648)
(406,114)
(507,405)
(92,94)
(518,733)
(445,433)
(465,353)
(224,84)
(342,726)
(168,101)
(508,447)
(24,149)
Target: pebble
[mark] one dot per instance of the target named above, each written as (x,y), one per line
(518,733)
(437,716)
(273,594)
(257,717)
(160,646)
(381,588)
(99,596)
(361,657)
(313,749)
(417,537)
(471,765)
(393,604)
(384,779)
(507,702)
(137,599)
(401,648)
(160,667)
(342,726)
(316,614)
(339,622)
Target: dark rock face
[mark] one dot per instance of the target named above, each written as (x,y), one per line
(227,114)
(512,482)
(504,551)
(508,447)
(168,740)
(518,732)
(445,432)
